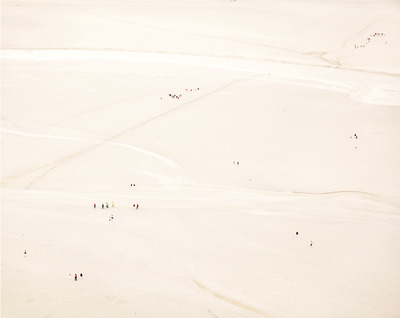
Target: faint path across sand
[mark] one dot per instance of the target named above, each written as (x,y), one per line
(230,300)
(48,168)
(94,144)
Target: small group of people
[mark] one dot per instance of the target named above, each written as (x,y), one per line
(236,162)
(135,205)
(356,137)
(76,276)
(311,242)
(104,205)
(111,218)
(376,34)
(177,96)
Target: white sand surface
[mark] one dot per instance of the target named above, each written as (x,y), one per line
(287,121)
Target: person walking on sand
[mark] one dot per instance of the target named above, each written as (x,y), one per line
(137,206)
(94,205)
(76,277)
(81,276)
(311,243)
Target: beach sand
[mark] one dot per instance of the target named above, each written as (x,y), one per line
(233,125)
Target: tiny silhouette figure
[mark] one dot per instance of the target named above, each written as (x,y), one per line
(311,243)
(81,275)
(76,277)
(297,233)
(94,205)
(25,253)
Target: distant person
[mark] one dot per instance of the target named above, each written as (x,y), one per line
(25,253)
(311,243)
(102,205)
(297,233)
(94,205)
(81,276)
(137,206)
(76,277)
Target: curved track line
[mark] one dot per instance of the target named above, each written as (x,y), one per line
(176,108)
(54,165)
(230,300)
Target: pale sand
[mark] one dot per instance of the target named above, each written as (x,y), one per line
(281,87)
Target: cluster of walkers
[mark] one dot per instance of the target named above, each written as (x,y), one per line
(76,276)
(377,34)
(192,89)
(104,205)
(311,242)
(356,137)
(177,96)
(369,39)
(135,205)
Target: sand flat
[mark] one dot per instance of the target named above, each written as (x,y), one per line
(233,125)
